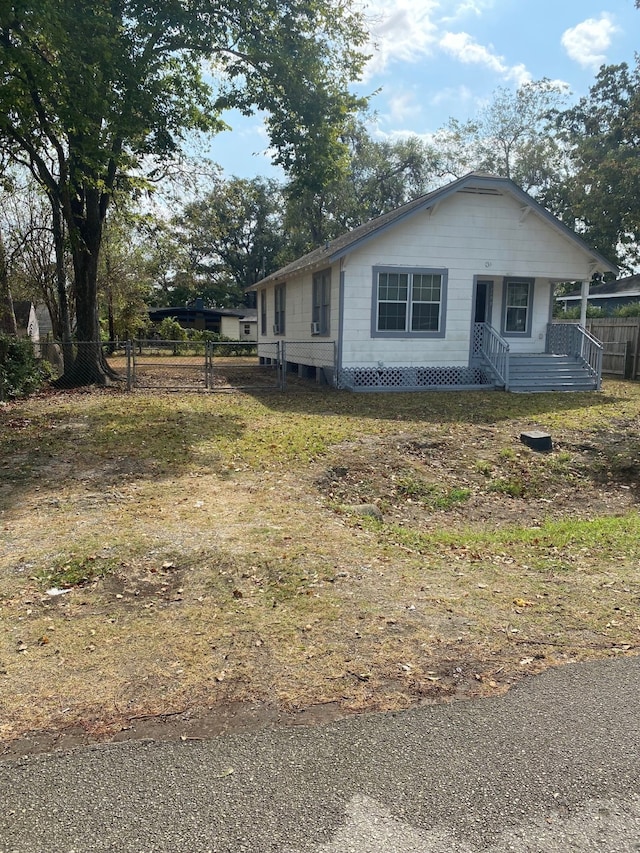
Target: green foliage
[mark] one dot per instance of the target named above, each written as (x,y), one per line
(430,494)
(630,310)
(123,279)
(170,330)
(376,177)
(509,137)
(230,238)
(76,571)
(20,372)
(94,92)
(602,193)
(507,486)
(593,312)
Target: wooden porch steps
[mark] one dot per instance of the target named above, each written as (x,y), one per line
(544,372)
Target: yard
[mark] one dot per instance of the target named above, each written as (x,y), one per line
(177,564)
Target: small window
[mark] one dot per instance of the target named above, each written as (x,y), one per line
(517,307)
(321,302)
(409,302)
(279,310)
(247,329)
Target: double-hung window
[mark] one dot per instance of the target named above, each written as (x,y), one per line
(409,302)
(279,312)
(518,299)
(321,302)
(263,312)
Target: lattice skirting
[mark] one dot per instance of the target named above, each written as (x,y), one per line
(411,378)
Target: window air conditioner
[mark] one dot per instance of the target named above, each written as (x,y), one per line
(315,328)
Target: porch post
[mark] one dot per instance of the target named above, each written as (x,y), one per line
(584,293)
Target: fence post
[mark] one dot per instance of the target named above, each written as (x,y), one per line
(282,360)
(129,350)
(208,365)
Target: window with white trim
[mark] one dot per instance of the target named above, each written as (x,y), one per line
(517,307)
(409,302)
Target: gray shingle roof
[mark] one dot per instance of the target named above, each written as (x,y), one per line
(629,286)
(474,181)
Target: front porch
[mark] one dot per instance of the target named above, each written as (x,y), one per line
(572,360)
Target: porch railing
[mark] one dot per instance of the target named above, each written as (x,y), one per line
(494,352)
(573,339)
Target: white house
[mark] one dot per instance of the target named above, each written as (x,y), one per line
(453,289)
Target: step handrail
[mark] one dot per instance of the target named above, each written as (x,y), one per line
(494,351)
(573,339)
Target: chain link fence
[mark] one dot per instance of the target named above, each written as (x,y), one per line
(193,365)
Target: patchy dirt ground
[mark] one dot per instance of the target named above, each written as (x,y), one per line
(481,477)
(180,566)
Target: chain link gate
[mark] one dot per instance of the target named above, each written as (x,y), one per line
(217,366)
(203,366)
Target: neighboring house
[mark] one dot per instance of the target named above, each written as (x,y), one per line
(27,322)
(606,295)
(34,321)
(452,290)
(237,324)
(45,323)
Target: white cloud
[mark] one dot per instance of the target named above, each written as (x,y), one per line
(402,105)
(587,42)
(467,8)
(401,31)
(451,95)
(465,49)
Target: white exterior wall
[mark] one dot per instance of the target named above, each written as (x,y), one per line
(252,334)
(298,316)
(229,327)
(469,235)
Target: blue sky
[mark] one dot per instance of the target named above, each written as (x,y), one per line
(435,59)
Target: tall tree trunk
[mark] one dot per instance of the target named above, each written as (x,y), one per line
(7,315)
(61,287)
(89,366)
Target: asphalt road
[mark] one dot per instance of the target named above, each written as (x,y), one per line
(552,766)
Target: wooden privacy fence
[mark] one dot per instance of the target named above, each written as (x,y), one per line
(620,338)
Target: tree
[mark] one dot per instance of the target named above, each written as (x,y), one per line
(36,260)
(7,315)
(601,197)
(124,283)
(511,137)
(89,91)
(379,176)
(233,236)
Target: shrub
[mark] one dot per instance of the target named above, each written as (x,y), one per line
(171,330)
(21,373)
(630,310)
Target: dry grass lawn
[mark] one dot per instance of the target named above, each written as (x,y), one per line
(186,553)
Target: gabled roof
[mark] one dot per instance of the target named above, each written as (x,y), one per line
(22,312)
(629,286)
(477,182)
(193,310)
